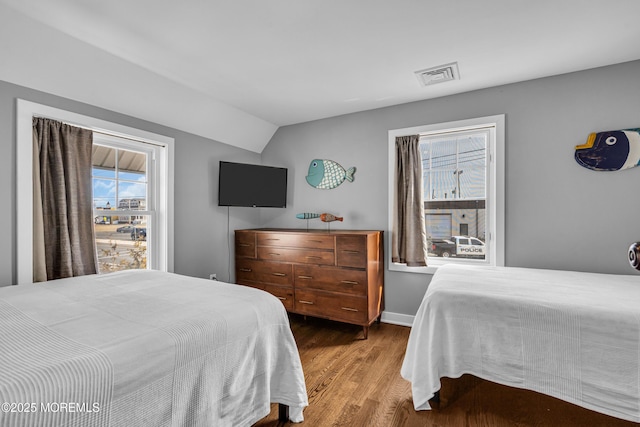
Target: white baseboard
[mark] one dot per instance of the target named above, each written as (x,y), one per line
(397,318)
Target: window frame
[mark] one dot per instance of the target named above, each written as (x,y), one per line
(26,110)
(495,189)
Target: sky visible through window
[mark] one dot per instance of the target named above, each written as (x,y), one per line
(454,167)
(129,186)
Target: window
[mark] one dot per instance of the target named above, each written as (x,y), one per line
(140,179)
(124,214)
(462,169)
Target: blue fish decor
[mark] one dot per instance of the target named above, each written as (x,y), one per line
(610,151)
(327,174)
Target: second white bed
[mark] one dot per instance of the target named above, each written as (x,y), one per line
(571,335)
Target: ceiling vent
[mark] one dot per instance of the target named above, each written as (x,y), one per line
(439,74)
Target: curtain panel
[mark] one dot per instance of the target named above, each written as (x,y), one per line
(63,224)
(409,237)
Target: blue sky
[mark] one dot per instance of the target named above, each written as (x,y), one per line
(129,186)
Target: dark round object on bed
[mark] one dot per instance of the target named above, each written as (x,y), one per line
(634,255)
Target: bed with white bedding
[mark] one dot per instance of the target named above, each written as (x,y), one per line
(145,348)
(571,335)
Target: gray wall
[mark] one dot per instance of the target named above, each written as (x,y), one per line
(558,214)
(200,225)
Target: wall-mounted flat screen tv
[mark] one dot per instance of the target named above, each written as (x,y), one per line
(257,186)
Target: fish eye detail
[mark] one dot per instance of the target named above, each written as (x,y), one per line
(314,164)
(611,140)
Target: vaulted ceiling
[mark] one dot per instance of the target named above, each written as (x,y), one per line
(234,71)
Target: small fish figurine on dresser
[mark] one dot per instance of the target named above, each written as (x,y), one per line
(327,217)
(610,151)
(327,174)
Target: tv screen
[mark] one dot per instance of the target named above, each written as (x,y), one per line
(258,186)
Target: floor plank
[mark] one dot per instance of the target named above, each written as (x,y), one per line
(356,382)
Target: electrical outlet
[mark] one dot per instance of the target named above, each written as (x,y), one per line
(213,276)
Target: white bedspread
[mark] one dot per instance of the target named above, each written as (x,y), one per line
(575,336)
(144,348)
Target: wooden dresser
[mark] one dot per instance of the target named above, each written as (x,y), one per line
(337,275)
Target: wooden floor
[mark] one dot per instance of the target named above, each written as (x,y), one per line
(356,382)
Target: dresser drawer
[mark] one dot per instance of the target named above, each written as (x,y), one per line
(253,285)
(295,240)
(333,306)
(245,245)
(351,251)
(284,294)
(263,272)
(304,256)
(331,279)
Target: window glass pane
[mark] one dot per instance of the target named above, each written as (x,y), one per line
(104,173)
(120,183)
(454,171)
(122,243)
(132,195)
(131,162)
(104,193)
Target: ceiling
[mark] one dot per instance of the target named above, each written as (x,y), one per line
(236,70)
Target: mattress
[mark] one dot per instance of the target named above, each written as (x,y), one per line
(144,348)
(571,335)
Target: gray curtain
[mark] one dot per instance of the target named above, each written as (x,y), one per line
(409,236)
(66,211)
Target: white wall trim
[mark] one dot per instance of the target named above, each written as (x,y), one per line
(26,110)
(397,319)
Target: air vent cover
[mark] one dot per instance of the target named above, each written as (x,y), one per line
(439,74)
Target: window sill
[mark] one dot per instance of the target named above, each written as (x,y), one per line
(434,264)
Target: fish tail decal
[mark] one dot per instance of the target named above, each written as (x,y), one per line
(349,174)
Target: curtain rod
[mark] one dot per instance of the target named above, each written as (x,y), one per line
(448,132)
(99,131)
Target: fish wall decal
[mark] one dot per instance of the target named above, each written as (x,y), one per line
(327,174)
(610,151)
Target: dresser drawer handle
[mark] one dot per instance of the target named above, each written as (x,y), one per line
(305,277)
(271,239)
(315,241)
(246,270)
(305,302)
(282,298)
(349,282)
(274,254)
(244,244)
(279,274)
(351,252)
(349,309)
(313,257)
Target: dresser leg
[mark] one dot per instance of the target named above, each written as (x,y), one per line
(365,331)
